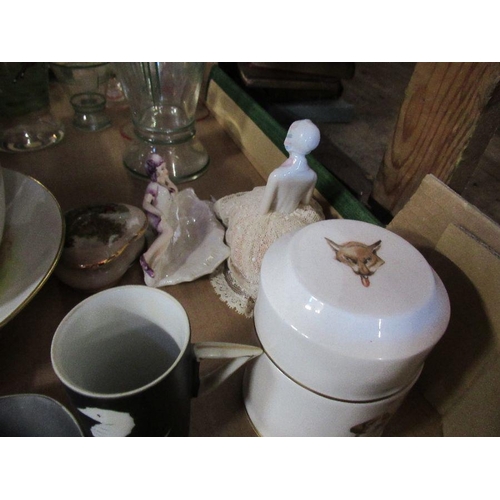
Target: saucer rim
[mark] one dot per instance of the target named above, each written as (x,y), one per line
(50,198)
(54,403)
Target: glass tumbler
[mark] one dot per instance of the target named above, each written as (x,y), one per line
(86,85)
(163,97)
(26,123)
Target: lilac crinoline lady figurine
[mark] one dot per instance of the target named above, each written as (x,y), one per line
(188,238)
(156,203)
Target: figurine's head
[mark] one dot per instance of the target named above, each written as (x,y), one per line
(302,137)
(153,162)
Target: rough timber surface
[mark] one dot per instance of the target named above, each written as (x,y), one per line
(354,151)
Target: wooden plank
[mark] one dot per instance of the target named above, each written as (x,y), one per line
(450,112)
(255,144)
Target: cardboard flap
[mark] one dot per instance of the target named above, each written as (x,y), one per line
(434,206)
(461,378)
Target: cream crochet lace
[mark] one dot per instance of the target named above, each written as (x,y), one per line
(248,236)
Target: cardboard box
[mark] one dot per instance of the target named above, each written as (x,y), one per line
(461,378)
(458,391)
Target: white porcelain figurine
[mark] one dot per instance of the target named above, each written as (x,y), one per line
(255,219)
(293,182)
(188,238)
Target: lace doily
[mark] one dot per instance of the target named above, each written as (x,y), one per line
(248,236)
(229,292)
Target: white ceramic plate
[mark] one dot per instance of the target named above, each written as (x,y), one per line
(31,244)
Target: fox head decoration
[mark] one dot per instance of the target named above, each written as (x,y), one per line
(361,258)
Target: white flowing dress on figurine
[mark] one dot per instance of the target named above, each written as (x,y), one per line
(255,219)
(188,239)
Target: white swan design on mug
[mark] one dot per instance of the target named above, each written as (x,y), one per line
(111,423)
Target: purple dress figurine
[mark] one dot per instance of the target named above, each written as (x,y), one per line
(188,239)
(156,203)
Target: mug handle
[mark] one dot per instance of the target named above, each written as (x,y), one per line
(239,354)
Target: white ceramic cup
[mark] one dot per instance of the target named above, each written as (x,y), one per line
(346,314)
(281,407)
(126,359)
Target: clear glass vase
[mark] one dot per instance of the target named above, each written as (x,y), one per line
(163,97)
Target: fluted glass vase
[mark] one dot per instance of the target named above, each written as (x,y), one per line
(163,97)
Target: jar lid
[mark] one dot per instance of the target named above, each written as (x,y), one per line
(348,299)
(98,234)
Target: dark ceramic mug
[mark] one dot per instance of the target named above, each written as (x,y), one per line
(126,360)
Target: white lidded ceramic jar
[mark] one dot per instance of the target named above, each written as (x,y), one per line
(280,407)
(348,311)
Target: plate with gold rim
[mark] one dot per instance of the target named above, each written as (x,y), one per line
(31,244)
